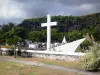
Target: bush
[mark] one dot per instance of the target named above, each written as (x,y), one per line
(91,61)
(11,52)
(79,50)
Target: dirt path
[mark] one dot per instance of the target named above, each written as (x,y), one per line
(66,69)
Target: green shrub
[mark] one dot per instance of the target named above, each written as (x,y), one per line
(79,50)
(91,61)
(11,52)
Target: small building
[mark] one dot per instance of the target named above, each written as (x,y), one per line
(5,51)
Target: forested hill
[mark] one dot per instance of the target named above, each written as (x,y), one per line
(72,27)
(65,23)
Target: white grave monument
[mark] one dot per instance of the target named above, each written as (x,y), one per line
(48,24)
(33,46)
(67,47)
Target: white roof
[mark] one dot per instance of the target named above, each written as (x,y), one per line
(5,49)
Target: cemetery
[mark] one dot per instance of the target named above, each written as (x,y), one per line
(62,51)
(49,37)
(65,51)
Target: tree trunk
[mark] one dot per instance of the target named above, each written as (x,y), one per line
(14,51)
(1,52)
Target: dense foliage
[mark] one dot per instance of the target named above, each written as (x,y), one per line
(72,27)
(91,61)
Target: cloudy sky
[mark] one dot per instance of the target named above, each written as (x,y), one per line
(18,10)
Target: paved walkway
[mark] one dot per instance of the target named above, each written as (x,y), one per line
(66,69)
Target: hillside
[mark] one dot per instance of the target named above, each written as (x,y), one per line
(73,27)
(65,23)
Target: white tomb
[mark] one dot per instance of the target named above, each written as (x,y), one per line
(33,46)
(67,47)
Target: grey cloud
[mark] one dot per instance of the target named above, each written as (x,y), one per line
(39,8)
(13,20)
(66,2)
(78,2)
(35,8)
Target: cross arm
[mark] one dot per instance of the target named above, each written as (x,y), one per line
(51,24)
(43,24)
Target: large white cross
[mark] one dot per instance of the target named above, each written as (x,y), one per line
(48,24)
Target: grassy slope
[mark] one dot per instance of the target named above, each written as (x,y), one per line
(12,68)
(73,64)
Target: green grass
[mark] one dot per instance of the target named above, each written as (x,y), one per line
(12,68)
(73,64)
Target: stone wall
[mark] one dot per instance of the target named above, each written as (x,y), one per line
(53,55)
(56,56)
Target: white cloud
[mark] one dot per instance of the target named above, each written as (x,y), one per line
(18,10)
(10,9)
(2,2)
(86,6)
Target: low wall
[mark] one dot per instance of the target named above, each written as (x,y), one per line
(55,55)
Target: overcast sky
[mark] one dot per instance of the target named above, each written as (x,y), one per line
(18,10)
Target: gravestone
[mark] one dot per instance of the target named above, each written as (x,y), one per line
(33,46)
